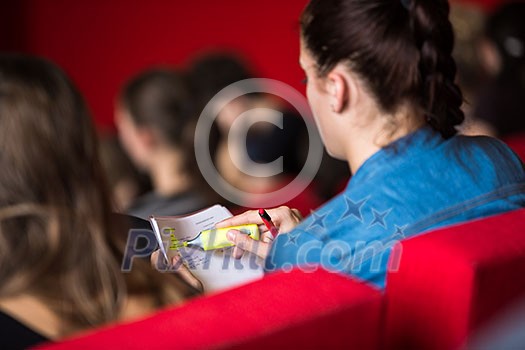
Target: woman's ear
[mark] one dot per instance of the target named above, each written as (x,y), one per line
(148,138)
(341,88)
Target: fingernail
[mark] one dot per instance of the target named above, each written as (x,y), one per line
(230,235)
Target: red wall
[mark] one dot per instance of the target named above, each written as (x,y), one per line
(100,43)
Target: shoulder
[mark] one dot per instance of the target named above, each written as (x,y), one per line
(345,214)
(481,142)
(487,150)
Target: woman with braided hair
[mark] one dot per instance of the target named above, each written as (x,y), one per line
(380,81)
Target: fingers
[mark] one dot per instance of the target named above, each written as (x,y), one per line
(179,267)
(266,237)
(248,217)
(158,261)
(284,218)
(297,214)
(177,263)
(263,228)
(243,242)
(237,252)
(154,258)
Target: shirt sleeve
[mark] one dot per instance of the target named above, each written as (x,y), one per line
(296,248)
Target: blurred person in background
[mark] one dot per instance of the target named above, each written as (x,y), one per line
(60,247)
(155,117)
(126,183)
(265,142)
(499,109)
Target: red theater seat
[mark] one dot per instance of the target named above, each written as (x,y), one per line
(517,143)
(449,283)
(283,310)
(452,280)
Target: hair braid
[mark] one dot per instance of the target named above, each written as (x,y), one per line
(434,37)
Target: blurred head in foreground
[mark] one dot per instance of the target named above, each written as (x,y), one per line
(58,245)
(54,212)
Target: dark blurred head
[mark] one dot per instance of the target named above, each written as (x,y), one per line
(160,99)
(157,110)
(268,143)
(211,73)
(208,75)
(401,50)
(54,207)
(505,28)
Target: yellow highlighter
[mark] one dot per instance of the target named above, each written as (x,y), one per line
(214,238)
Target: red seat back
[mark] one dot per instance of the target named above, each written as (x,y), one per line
(517,143)
(452,280)
(283,310)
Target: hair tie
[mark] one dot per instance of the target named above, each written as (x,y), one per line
(406,4)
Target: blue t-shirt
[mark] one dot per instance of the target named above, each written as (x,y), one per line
(416,184)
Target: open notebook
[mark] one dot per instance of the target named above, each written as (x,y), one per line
(216,269)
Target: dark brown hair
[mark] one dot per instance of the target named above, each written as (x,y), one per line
(400,48)
(506,29)
(57,236)
(213,71)
(54,212)
(160,99)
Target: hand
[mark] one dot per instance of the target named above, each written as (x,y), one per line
(284,218)
(243,243)
(178,267)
